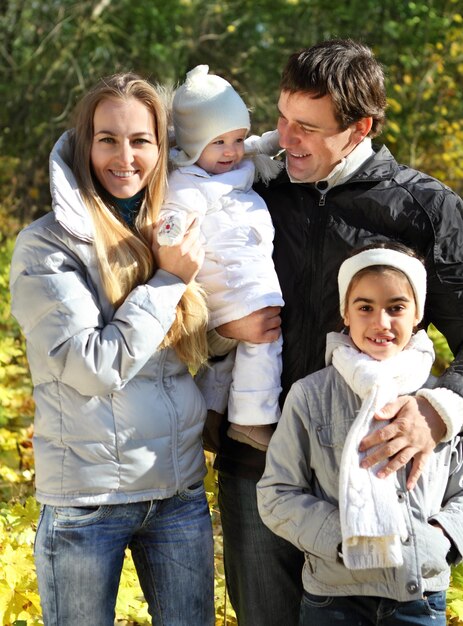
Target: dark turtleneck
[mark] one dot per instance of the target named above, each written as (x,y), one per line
(127,207)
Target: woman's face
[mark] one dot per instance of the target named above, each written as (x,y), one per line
(124,148)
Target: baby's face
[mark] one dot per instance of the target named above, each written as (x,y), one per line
(223,152)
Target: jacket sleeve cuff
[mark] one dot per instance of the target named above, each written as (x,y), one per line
(452,528)
(163,277)
(449,405)
(164,291)
(218,345)
(214,383)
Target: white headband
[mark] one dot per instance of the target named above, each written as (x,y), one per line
(412,268)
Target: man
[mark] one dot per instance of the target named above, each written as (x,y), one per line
(338,193)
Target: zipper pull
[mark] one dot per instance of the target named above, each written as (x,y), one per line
(322,188)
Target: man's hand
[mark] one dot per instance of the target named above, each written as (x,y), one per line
(414,432)
(262,326)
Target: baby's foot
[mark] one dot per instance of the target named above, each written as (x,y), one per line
(255,436)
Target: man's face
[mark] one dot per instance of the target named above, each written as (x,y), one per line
(310,134)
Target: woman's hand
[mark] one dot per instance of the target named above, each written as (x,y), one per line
(415,430)
(184,259)
(262,326)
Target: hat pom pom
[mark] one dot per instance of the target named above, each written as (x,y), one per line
(196,72)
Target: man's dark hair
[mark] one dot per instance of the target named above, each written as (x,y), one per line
(345,70)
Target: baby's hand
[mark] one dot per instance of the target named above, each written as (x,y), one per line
(183,255)
(172,229)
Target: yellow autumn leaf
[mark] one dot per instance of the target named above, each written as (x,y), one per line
(12,565)
(455,608)
(9,475)
(394,127)
(33,193)
(5,596)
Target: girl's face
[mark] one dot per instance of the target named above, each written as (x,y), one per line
(124,149)
(223,152)
(381,313)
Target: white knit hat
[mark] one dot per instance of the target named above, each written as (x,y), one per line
(412,267)
(204,107)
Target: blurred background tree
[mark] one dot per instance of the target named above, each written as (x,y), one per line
(51,52)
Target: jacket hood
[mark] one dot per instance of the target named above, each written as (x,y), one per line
(67,202)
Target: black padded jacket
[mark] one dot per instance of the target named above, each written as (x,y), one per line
(315,230)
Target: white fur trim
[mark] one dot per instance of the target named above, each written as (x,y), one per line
(266,167)
(449,405)
(268,143)
(260,149)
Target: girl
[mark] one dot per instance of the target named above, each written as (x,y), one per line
(111,325)
(374,553)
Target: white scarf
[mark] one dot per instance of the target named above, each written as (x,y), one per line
(372,521)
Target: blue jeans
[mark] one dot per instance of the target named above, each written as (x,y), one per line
(263,571)
(79,553)
(372,611)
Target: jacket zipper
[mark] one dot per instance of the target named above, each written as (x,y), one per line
(173,418)
(315,245)
(322,199)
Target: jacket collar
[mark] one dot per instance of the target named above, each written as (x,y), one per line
(240,177)
(347,166)
(67,203)
(380,166)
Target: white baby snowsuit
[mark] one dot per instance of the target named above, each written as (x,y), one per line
(238,276)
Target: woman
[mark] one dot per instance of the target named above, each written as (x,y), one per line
(112,322)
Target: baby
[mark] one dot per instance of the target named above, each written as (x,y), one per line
(213,178)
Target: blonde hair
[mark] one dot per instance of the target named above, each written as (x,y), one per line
(124,254)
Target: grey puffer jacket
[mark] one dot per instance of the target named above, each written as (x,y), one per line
(117,419)
(298,497)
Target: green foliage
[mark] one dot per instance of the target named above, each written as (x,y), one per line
(443,353)
(53,51)
(15,385)
(455,597)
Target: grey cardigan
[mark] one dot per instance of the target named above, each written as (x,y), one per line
(117,419)
(298,497)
